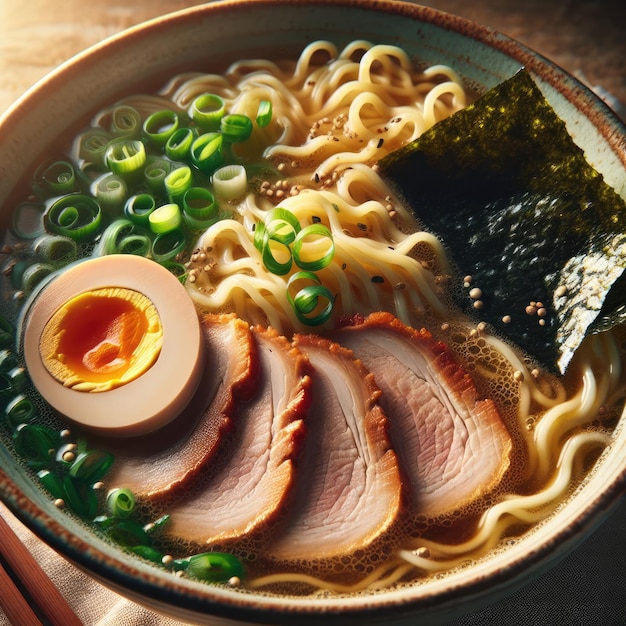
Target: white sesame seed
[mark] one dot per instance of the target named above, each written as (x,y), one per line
(475,293)
(506,319)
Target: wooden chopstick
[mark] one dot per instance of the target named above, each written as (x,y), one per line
(41,589)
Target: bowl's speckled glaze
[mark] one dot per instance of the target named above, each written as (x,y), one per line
(143,58)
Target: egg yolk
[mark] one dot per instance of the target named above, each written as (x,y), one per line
(102,339)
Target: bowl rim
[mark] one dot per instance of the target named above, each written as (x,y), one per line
(116,573)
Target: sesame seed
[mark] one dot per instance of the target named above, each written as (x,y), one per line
(475,293)
(531,309)
(542,322)
(506,319)
(518,376)
(167,559)
(560,291)
(478,304)
(445,326)
(542,312)
(468,279)
(59,503)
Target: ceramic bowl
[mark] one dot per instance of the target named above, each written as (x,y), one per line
(141,59)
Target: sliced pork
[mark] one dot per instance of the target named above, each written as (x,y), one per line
(159,464)
(452,446)
(251,481)
(348,494)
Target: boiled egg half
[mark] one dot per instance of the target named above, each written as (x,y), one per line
(114,344)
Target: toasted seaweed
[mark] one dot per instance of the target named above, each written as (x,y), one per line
(520,209)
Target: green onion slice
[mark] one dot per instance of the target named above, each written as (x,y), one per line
(123,237)
(34,442)
(167,246)
(165,218)
(264,113)
(27,221)
(213,567)
(178,145)
(55,178)
(80,497)
(314,231)
(177,182)
(125,121)
(160,126)
(230,182)
(126,157)
(120,502)
(34,274)
(20,410)
(206,152)
(76,216)
(90,146)
(199,203)
(55,248)
(138,208)
(110,190)
(308,301)
(236,127)
(154,175)
(91,466)
(207,110)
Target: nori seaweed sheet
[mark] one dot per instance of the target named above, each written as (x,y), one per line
(520,209)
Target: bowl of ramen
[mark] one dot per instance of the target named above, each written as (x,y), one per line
(312,310)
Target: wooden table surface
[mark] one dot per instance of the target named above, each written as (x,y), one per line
(585,37)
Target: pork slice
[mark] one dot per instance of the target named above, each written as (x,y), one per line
(156,465)
(348,495)
(252,480)
(452,446)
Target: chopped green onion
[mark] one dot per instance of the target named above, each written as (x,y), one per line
(160,126)
(165,218)
(306,302)
(20,410)
(27,220)
(313,231)
(7,360)
(125,121)
(168,245)
(122,237)
(272,253)
(120,502)
(264,113)
(34,442)
(154,175)
(199,203)
(126,157)
(206,152)
(236,127)
(230,182)
(52,483)
(128,533)
(18,378)
(179,143)
(177,182)
(91,145)
(207,111)
(76,216)
(34,274)
(80,497)
(111,191)
(55,178)
(158,524)
(148,552)
(138,208)
(56,248)
(6,332)
(282,225)
(215,567)
(91,466)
